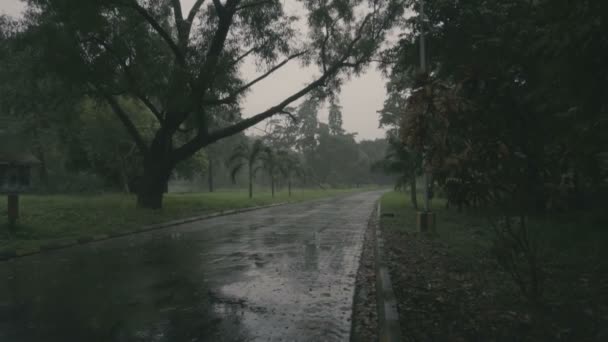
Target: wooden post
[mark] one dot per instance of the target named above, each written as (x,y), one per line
(13,209)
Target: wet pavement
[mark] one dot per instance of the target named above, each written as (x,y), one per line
(278,274)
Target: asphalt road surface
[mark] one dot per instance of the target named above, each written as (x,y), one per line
(279,274)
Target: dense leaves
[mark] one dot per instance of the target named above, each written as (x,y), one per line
(512,109)
(184,65)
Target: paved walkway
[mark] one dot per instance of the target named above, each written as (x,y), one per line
(278,274)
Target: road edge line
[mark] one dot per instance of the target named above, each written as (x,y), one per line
(11,253)
(7,254)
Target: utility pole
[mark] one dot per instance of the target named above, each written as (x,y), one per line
(426,219)
(422,40)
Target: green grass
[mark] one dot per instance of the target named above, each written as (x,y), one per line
(465,233)
(45,219)
(570,238)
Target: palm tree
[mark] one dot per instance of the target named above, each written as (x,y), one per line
(270,163)
(404,162)
(289,166)
(246,155)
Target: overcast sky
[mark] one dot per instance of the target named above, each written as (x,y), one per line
(361,97)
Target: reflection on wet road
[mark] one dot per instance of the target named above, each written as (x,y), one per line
(279,274)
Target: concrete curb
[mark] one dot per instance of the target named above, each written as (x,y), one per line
(388,316)
(9,253)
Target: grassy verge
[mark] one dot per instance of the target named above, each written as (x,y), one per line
(449,287)
(464,232)
(54,218)
(564,238)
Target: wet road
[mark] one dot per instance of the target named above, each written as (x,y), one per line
(278,274)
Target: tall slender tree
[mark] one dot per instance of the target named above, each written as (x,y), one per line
(289,167)
(335,117)
(403,162)
(246,155)
(270,163)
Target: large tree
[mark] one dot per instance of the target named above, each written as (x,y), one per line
(184,65)
(513,102)
(335,117)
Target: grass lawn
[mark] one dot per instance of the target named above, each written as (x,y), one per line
(57,217)
(465,234)
(450,287)
(570,238)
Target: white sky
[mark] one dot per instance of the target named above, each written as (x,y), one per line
(361,97)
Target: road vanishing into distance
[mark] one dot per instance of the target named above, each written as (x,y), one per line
(285,273)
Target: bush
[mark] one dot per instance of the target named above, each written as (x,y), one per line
(517,251)
(73,183)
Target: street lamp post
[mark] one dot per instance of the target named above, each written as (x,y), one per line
(427,205)
(426,219)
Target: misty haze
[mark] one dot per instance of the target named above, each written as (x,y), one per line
(295,170)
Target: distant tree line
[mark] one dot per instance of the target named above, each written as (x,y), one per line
(82,148)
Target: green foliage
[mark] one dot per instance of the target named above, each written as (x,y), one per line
(247,155)
(308,123)
(185,68)
(399,160)
(108,147)
(510,115)
(290,164)
(335,118)
(495,122)
(327,156)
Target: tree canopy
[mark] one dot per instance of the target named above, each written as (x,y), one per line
(184,66)
(512,102)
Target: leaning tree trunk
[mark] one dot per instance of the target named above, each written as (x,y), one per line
(289,186)
(153,186)
(155,177)
(210,175)
(413,194)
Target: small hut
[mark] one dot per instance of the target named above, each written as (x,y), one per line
(16,161)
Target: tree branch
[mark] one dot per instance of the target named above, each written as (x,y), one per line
(247,53)
(177,11)
(253,4)
(232,97)
(159,29)
(203,139)
(290,115)
(124,118)
(206,74)
(130,78)
(195,8)
(185,26)
(218,7)
(150,106)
